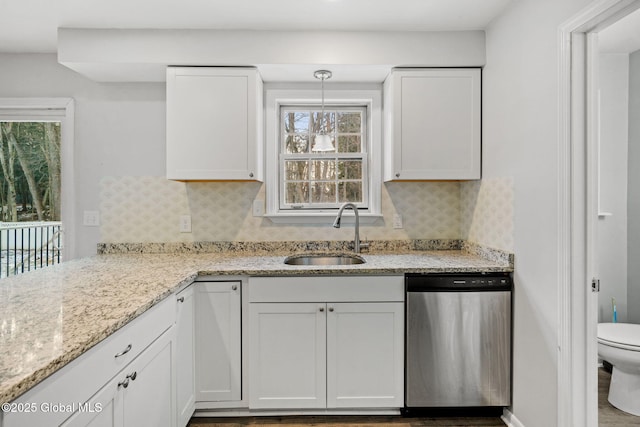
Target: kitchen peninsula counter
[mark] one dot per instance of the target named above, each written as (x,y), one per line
(50,316)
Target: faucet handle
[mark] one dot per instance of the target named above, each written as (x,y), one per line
(364,244)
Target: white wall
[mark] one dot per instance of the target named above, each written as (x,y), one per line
(520,139)
(119,128)
(612,230)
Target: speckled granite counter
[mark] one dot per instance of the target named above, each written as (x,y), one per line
(51,316)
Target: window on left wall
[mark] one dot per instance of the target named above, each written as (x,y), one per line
(31,190)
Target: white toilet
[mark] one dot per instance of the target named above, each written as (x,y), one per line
(619,344)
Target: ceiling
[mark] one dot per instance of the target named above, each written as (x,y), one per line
(31,25)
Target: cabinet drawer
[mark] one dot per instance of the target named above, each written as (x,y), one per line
(326,289)
(123,346)
(79,380)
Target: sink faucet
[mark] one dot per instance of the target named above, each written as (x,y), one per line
(336,224)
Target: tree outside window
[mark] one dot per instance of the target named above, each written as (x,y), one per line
(314,180)
(30,171)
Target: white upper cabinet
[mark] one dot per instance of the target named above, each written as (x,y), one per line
(432,124)
(214,124)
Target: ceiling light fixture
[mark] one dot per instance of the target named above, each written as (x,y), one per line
(323,141)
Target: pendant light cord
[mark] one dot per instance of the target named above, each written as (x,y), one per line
(323,129)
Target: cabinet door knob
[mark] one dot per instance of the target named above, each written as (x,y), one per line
(133,375)
(234,288)
(397,175)
(250,174)
(331,309)
(321,309)
(181,299)
(124,383)
(125,351)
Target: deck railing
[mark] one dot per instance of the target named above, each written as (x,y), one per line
(26,246)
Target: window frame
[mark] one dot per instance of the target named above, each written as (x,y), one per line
(276,97)
(58,110)
(360,155)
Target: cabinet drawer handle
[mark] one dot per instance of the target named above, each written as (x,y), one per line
(125,351)
(133,376)
(181,299)
(124,383)
(234,288)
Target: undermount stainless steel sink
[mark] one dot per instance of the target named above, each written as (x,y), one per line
(316,259)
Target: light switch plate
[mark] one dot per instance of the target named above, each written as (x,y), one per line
(185,223)
(258,207)
(91,218)
(397,221)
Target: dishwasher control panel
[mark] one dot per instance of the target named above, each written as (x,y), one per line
(458,282)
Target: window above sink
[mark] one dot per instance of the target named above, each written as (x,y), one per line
(303,186)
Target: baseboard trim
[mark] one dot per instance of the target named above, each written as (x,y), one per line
(509,419)
(245,412)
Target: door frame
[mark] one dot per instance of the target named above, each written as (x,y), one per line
(62,110)
(577,209)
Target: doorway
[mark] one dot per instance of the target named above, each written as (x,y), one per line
(579,207)
(618,192)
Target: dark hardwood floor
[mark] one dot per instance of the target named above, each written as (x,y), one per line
(608,416)
(345,421)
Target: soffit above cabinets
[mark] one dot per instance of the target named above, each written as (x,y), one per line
(30,26)
(113,55)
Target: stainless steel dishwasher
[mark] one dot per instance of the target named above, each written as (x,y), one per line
(458,341)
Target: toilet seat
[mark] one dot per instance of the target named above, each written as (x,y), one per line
(620,335)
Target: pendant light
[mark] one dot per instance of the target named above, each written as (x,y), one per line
(323,141)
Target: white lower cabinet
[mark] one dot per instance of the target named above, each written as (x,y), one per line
(365,353)
(185,356)
(326,355)
(90,390)
(142,394)
(288,356)
(218,357)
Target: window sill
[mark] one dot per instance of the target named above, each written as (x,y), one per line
(322,218)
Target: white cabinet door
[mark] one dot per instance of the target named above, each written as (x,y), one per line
(185,357)
(432,124)
(365,350)
(142,394)
(149,398)
(287,355)
(218,341)
(214,123)
(103,410)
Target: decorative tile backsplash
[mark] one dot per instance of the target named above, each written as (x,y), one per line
(488,212)
(148,209)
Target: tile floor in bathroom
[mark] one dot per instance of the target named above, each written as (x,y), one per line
(609,416)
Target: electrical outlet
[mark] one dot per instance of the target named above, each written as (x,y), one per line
(397,221)
(91,219)
(185,223)
(258,207)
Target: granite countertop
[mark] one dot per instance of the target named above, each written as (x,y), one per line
(51,316)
